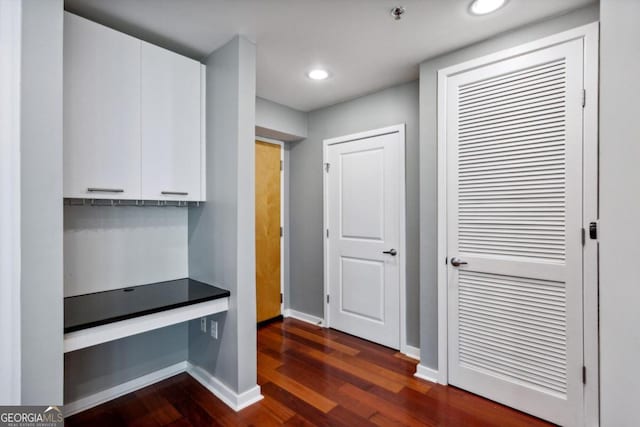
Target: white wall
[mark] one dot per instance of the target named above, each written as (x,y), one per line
(41,202)
(10,41)
(114,247)
(619,212)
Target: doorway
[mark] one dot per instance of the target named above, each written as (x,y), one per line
(364,204)
(517,192)
(269,229)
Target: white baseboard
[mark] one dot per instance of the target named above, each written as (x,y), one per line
(232,399)
(122,389)
(318,321)
(411,351)
(426,373)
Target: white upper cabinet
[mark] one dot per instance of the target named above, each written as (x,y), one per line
(133,117)
(171,125)
(101,111)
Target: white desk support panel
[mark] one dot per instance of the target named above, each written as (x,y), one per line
(124,328)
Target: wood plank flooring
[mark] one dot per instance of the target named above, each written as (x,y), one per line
(311,376)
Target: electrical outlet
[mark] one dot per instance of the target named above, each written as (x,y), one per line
(203,324)
(214,329)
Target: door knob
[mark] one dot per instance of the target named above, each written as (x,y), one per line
(391,252)
(457,262)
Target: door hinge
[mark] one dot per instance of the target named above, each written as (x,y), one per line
(584,239)
(281,232)
(281,165)
(281,298)
(327,233)
(584,375)
(584,97)
(446,261)
(327,166)
(327,298)
(593,230)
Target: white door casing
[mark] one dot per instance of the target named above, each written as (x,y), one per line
(511,129)
(364,203)
(10,228)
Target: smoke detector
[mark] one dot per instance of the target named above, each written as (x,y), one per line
(397,12)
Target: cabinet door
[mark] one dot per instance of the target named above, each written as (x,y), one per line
(101,111)
(170,125)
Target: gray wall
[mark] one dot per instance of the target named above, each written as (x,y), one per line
(428,159)
(619,207)
(279,122)
(391,106)
(221,231)
(113,247)
(41,202)
(93,369)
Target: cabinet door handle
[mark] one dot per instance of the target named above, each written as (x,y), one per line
(175,193)
(105,190)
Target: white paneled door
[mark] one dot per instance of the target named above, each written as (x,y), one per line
(363,197)
(514,236)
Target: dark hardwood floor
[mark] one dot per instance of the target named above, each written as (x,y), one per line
(311,376)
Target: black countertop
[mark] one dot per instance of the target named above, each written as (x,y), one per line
(100,308)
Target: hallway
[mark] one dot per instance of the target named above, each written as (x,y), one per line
(311,376)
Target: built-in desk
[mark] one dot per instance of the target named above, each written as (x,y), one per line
(100,317)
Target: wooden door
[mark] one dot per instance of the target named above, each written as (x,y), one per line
(363,205)
(514,213)
(268,274)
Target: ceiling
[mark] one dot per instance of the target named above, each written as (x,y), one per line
(363,48)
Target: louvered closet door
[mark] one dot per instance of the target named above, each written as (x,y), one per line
(514,207)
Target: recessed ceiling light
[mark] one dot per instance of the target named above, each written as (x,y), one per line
(482,7)
(318,74)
